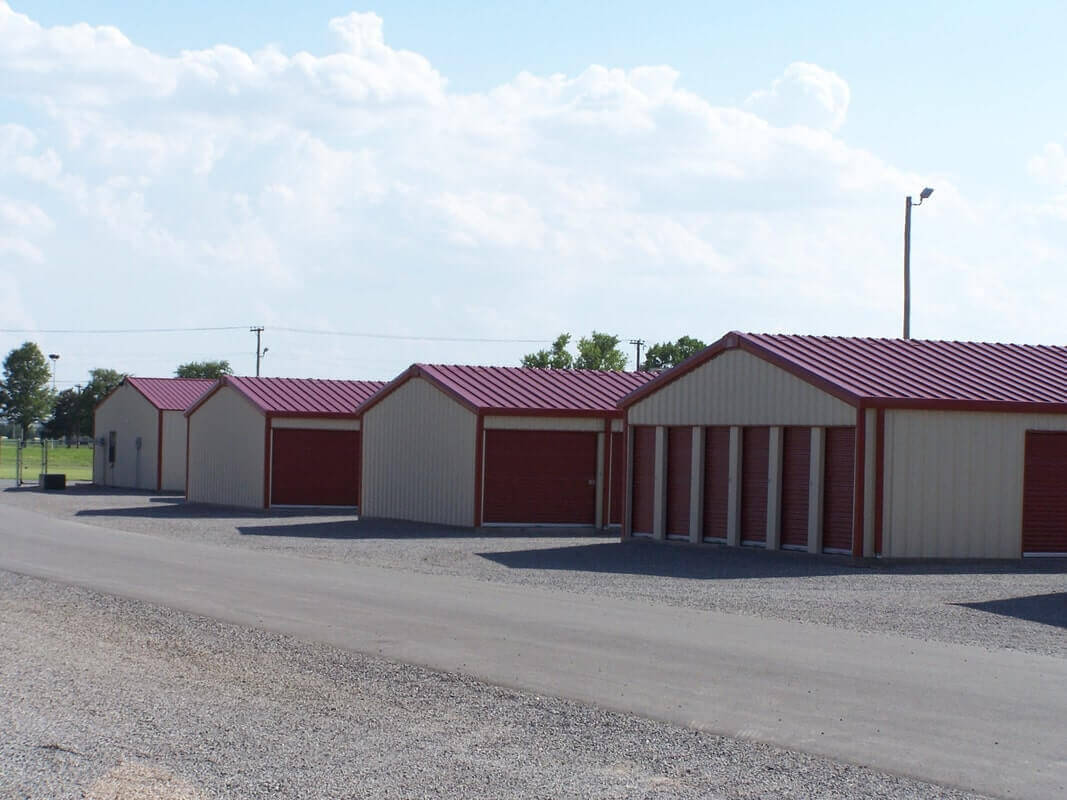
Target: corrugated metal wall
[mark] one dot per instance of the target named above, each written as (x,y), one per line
(173,451)
(226,441)
(130,415)
(954,482)
(418,457)
(737,388)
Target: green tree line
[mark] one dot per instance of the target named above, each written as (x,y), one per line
(26,398)
(601,351)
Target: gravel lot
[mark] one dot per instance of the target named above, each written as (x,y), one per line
(110,699)
(1019,605)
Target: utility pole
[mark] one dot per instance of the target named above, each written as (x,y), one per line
(638,343)
(257,330)
(925,193)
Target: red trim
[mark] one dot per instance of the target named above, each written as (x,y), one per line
(206,396)
(186,459)
(606,476)
(627,528)
(362,450)
(266,460)
(860,482)
(879,478)
(416,371)
(1016,407)
(159,455)
(479,466)
(734,341)
(552,412)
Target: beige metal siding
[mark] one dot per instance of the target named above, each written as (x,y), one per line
(954,482)
(594,424)
(418,457)
(173,451)
(737,388)
(130,415)
(226,441)
(315,423)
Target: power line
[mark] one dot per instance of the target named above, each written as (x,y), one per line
(315,332)
(411,338)
(120,330)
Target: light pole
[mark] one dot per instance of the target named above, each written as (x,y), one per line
(55,358)
(907,257)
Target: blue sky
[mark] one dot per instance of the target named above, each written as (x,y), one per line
(694,167)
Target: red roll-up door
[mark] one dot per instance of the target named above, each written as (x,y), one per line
(838,487)
(644,469)
(679,472)
(716,481)
(796,469)
(540,477)
(314,467)
(755,462)
(1045,494)
(618,479)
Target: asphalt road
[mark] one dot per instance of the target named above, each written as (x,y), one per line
(991,721)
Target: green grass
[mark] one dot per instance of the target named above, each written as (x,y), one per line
(75,462)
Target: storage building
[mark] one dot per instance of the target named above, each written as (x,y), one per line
(262,442)
(476,446)
(139,431)
(873,447)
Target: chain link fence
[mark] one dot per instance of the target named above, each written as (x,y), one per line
(23,461)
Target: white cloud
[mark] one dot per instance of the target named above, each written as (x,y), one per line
(805,94)
(1050,165)
(353,189)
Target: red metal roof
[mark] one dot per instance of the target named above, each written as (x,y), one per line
(904,372)
(518,390)
(302,397)
(171,394)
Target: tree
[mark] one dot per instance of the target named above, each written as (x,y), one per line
(600,351)
(204,369)
(670,354)
(64,422)
(556,358)
(24,394)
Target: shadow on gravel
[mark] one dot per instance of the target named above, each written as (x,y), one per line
(399,529)
(165,508)
(1048,609)
(715,562)
(91,489)
(702,563)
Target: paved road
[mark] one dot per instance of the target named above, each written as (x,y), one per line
(995,722)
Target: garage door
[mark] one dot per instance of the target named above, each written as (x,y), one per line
(618,478)
(838,487)
(796,469)
(716,481)
(1045,494)
(540,477)
(314,467)
(644,478)
(755,452)
(679,470)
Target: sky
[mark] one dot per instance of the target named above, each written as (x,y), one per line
(460,182)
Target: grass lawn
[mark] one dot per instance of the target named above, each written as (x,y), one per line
(75,462)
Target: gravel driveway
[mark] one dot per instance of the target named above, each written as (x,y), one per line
(1020,604)
(110,699)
